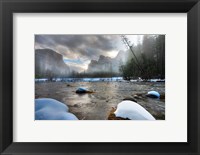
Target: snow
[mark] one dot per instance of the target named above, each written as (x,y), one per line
(41,80)
(82,90)
(154,93)
(50,103)
(133,111)
(156,80)
(133,80)
(50,109)
(100,79)
(81,79)
(152,80)
(50,114)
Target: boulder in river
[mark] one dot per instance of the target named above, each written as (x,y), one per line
(50,109)
(132,111)
(82,90)
(112,115)
(153,94)
(130,99)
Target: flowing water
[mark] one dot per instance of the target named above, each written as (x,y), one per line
(106,94)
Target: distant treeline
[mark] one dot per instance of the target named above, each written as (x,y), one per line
(145,60)
(74,74)
(94,75)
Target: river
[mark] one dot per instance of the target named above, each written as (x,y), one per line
(107,94)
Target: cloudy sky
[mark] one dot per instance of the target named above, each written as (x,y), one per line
(79,50)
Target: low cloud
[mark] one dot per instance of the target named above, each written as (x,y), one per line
(82,47)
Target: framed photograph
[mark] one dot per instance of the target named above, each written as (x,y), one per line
(102,77)
(121,81)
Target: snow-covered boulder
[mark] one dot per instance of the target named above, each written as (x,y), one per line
(82,90)
(50,109)
(50,103)
(133,111)
(153,94)
(49,114)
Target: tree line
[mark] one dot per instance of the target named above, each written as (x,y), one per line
(146,59)
(94,74)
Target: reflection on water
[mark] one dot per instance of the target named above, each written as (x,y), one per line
(97,105)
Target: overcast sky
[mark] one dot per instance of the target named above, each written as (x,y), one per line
(79,50)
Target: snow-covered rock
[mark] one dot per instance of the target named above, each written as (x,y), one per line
(50,109)
(133,111)
(153,94)
(50,114)
(82,90)
(50,103)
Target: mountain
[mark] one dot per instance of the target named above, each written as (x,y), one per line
(49,63)
(107,64)
(121,56)
(103,64)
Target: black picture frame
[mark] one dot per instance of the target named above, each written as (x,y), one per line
(8,7)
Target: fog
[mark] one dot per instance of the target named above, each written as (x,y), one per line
(130,56)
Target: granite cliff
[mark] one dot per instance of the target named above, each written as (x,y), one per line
(107,64)
(49,63)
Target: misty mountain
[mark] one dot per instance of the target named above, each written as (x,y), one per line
(107,64)
(49,63)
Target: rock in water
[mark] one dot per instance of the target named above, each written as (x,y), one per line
(153,94)
(112,115)
(50,114)
(50,109)
(130,99)
(50,103)
(133,111)
(82,90)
